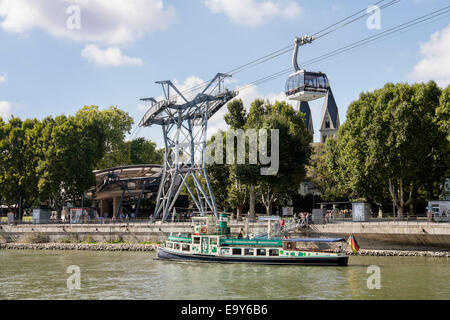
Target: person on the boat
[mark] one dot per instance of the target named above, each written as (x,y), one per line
(241,234)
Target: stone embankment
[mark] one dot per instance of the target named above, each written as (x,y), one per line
(152,247)
(79,246)
(402,253)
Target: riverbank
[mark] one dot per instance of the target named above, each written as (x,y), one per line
(80,246)
(402,253)
(401,236)
(132,247)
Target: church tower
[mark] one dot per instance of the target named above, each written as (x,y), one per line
(304,108)
(330,118)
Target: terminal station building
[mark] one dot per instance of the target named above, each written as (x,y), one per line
(123,190)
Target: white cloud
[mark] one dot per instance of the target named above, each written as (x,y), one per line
(111,22)
(5,110)
(3,78)
(110,57)
(435,63)
(254,13)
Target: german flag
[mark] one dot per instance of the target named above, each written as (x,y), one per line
(353,244)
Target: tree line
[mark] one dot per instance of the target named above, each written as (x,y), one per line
(237,186)
(394,148)
(51,161)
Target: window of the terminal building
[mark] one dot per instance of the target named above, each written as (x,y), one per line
(213,241)
(225,251)
(249,252)
(186,247)
(237,251)
(261,252)
(274,252)
(196,240)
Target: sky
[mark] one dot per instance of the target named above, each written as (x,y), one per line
(57,56)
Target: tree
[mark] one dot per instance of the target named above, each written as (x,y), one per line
(320,174)
(294,152)
(237,115)
(116,124)
(144,152)
(391,141)
(18,179)
(219,173)
(72,148)
(237,194)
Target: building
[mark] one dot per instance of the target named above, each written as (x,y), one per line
(305,109)
(122,189)
(330,118)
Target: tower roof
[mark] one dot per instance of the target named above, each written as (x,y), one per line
(330,105)
(304,108)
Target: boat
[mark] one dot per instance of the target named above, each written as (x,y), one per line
(210,243)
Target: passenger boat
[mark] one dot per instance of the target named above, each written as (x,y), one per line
(212,244)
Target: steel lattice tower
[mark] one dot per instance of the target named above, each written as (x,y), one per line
(184,128)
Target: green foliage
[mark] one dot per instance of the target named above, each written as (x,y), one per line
(391,142)
(53,160)
(294,154)
(320,172)
(237,115)
(144,152)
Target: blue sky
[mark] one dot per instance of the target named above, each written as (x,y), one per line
(48,66)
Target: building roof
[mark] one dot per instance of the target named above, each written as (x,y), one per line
(330,106)
(304,108)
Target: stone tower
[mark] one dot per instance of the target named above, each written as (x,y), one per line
(330,118)
(304,108)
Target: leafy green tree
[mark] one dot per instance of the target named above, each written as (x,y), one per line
(116,124)
(219,174)
(72,147)
(18,179)
(144,152)
(294,153)
(391,140)
(237,115)
(237,195)
(320,174)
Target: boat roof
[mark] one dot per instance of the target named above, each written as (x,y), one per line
(315,239)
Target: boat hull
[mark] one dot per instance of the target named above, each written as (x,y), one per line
(310,261)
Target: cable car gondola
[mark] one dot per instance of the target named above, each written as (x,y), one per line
(305,85)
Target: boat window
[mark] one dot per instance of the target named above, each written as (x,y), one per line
(177,246)
(261,252)
(169,245)
(274,252)
(249,252)
(186,247)
(225,251)
(213,241)
(196,240)
(237,251)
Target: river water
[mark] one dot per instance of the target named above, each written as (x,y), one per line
(134,275)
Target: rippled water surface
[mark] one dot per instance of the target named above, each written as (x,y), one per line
(130,275)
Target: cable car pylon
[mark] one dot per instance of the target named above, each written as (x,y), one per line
(184,127)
